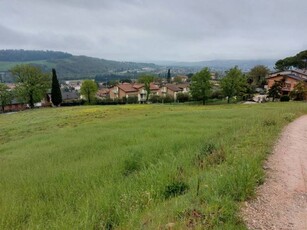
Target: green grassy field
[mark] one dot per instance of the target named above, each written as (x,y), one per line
(136,166)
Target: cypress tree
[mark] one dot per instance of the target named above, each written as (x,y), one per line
(56,95)
(169,76)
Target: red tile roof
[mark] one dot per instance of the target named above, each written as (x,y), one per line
(127,87)
(102,92)
(174,88)
(154,86)
(183,85)
(138,86)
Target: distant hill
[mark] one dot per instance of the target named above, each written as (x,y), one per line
(222,65)
(31,55)
(69,66)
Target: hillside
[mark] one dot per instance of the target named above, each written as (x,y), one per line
(69,66)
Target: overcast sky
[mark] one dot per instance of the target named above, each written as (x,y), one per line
(148,30)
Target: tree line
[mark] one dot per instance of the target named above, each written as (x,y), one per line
(31,55)
(234,84)
(31,86)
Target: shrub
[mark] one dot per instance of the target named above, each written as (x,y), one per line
(285,98)
(183,97)
(73,103)
(176,188)
(132,100)
(155,99)
(110,102)
(168,99)
(217,94)
(124,100)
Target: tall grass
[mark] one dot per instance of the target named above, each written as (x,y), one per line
(134,167)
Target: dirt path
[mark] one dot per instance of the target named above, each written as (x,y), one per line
(281,202)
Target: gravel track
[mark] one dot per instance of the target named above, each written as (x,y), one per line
(281,202)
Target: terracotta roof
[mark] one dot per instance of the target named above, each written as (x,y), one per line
(293,76)
(154,86)
(172,87)
(183,85)
(286,72)
(138,86)
(127,87)
(102,92)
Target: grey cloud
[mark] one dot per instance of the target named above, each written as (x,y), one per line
(10,37)
(149,30)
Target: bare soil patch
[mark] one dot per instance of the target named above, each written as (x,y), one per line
(281,202)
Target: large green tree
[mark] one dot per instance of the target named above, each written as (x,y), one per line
(56,95)
(302,59)
(146,80)
(233,83)
(88,90)
(200,85)
(31,83)
(258,75)
(297,61)
(5,95)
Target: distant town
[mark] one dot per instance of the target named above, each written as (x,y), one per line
(148,83)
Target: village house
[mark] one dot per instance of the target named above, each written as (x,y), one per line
(103,93)
(14,106)
(185,87)
(290,79)
(123,90)
(68,95)
(173,89)
(73,84)
(126,90)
